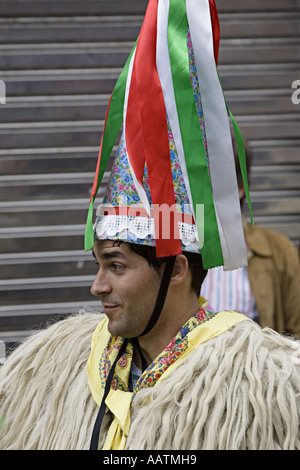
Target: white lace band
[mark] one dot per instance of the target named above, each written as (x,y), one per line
(140,229)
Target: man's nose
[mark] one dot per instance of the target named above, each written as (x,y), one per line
(100,285)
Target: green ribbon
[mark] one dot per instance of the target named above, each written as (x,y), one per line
(242,160)
(192,141)
(114,122)
(241,154)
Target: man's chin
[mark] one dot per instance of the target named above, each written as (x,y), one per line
(115,329)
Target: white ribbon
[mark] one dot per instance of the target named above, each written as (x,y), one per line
(219,143)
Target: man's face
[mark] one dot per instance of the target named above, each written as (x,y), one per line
(127,287)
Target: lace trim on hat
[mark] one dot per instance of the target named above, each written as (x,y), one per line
(140,228)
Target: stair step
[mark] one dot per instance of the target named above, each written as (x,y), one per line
(41,283)
(258,76)
(50,186)
(267,203)
(47,213)
(93,107)
(260,25)
(50,134)
(88,133)
(102,81)
(73,29)
(60,82)
(120,28)
(21,239)
(53,289)
(40,8)
(253,102)
(45,56)
(50,308)
(281,177)
(45,264)
(259,51)
(15,8)
(59,108)
(283,126)
(257,6)
(114,54)
(288,225)
(269,152)
(43,160)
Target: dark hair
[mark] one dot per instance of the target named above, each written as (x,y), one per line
(194,260)
(249,155)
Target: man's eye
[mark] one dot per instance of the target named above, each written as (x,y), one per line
(117,267)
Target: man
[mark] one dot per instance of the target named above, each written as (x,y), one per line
(208,390)
(160,370)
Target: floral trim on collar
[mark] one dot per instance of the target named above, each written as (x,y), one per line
(171,353)
(156,369)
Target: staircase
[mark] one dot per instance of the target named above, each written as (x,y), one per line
(59,61)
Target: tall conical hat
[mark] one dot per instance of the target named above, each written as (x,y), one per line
(173,184)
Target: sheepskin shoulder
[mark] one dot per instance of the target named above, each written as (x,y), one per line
(44,394)
(239,390)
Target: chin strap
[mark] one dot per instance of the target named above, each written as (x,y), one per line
(161,297)
(101,412)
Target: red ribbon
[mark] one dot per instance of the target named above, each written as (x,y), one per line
(146,127)
(215,28)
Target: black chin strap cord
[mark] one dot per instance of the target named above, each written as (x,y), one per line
(153,319)
(101,412)
(161,294)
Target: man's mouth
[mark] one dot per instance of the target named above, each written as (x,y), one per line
(108,308)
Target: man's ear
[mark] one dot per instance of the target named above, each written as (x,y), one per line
(241,192)
(180,270)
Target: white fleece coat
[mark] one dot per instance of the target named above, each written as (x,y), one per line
(237,391)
